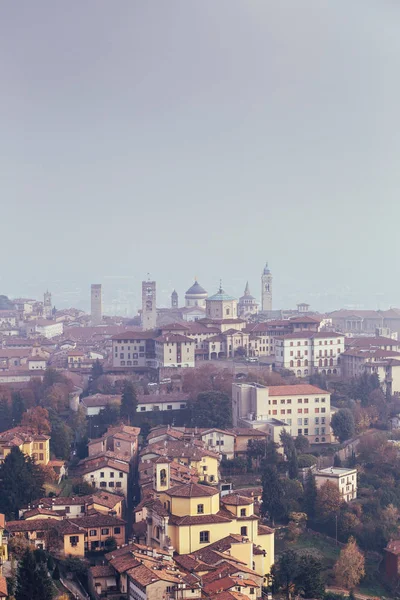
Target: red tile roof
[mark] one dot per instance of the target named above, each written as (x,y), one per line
(295,390)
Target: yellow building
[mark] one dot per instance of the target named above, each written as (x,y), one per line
(35,445)
(190,517)
(3,541)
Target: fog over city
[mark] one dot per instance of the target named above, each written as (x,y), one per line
(187,139)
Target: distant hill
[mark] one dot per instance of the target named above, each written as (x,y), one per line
(5,303)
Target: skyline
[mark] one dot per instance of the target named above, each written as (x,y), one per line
(184,140)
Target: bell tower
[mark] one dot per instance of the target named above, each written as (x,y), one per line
(149,309)
(162,474)
(266,289)
(174,299)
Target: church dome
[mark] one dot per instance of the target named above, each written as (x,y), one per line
(197,291)
(221,295)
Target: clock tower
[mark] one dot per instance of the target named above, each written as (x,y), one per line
(149,309)
(266,289)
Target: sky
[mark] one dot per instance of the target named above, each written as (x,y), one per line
(188,138)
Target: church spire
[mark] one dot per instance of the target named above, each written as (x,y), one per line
(247,289)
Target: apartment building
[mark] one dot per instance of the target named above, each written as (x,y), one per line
(302,409)
(344,479)
(306,352)
(35,445)
(106,471)
(134,349)
(174,350)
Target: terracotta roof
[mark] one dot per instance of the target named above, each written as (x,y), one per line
(39,511)
(236,500)
(101,400)
(264,530)
(134,335)
(3,587)
(228,595)
(173,338)
(102,571)
(295,390)
(199,519)
(192,490)
(97,521)
(163,398)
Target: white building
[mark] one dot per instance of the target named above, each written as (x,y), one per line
(175,350)
(307,352)
(106,472)
(161,402)
(133,349)
(304,409)
(344,479)
(49,329)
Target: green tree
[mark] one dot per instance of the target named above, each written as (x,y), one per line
(110,544)
(337,461)
(6,420)
(21,482)
(61,437)
(211,409)
(343,425)
(309,581)
(97,370)
(56,572)
(18,407)
(301,444)
(285,572)
(33,581)
(5,303)
(128,402)
(310,495)
(288,444)
(272,495)
(293,465)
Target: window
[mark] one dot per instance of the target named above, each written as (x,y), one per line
(305,421)
(299,421)
(142,409)
(282,401)
(306,411)
(289,411)
(121,474)
(40,446)
(200,509)
(274,412)
(118,484)
(73,540)
(103,483)
(101,473)
(316,431)
(204,537)
(111,484)
(93,532)
(300,401)
(299,432)
(117,529)
(181,406)
(299,411)
(323,409)
(204,468)
(305,431)
(317,410)
(289,401)
(67,509)
(112,474)
(105,531)
(169,589)
(242,512)
(251,591)
(169,406)
(243,531)
(317,420)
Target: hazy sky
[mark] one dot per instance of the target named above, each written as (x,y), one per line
(201,137)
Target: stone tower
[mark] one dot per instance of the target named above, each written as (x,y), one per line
(96,304)
(174,299)
(47,308)
(266,289)
(149,308)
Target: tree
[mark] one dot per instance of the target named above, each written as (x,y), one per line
(272,494)
(337,461)
(37,419)
(18,406)
(211,409)
(285,572)
(306,460)
(97,369)
(33,581)
(81,487)
(56,572)
(293,466)
(309,580)
(21,482)
(343,425)
(288,443)
(310,495)
(301,444)
(328,501)
(5,303)
(128,401)
(6,420)
(110,544)
(61,437)
(350,566)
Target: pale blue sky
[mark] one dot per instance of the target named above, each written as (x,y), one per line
(188,137)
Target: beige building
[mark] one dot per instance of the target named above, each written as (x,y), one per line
(304,409)
(307,352)
(174,350)
(344,479)
(134,349)
(106,472)
(49,329)
(221,306)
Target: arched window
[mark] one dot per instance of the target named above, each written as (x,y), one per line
(228,312)
(298,373)
(325,362)
(291,363)
(320,363)
(163,477)
(322,439)
(334,371)
(305,371)
(299,363)
(331,362)
(317,439)
(306,363)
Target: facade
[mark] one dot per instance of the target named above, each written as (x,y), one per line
(221,306)
(266,289)
(49,329)
(196,296)
(134,349)
(344,479)
(35,445)
(106,472)
(92,405)
(307,352)
(149,306)
(161,402)
(174,350)
(96,304)
(247,304)
(303,409)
